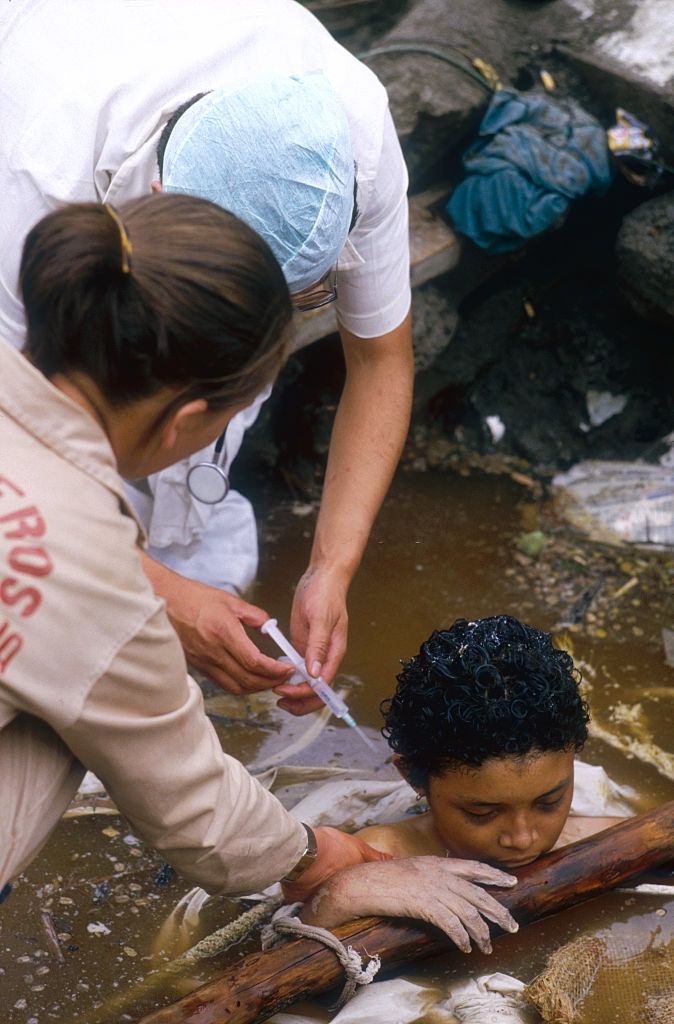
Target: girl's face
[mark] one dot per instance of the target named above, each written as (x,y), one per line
(507,812)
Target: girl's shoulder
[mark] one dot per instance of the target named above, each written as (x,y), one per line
(578,827)
(411,837)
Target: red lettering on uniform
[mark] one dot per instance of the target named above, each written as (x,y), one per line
(29,559)
(4,482)
(29,523)
(9,648)
(30,596)
(32,560)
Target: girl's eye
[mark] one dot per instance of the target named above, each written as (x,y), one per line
(551,804)
(480,817)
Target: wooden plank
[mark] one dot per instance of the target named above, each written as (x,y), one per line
(434,250)
(260,985)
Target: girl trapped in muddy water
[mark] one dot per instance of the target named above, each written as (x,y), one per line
(484,724)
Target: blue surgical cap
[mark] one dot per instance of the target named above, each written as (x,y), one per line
(277,153)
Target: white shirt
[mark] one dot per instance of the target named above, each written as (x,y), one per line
(86,87)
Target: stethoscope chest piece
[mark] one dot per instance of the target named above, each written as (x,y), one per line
(208,482)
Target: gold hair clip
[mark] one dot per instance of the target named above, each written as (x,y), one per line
(127,248)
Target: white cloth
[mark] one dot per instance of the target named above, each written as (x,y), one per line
(386,1002)
(86,87)
(215,544)
(490,999)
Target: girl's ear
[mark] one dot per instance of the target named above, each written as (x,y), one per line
(400,765)
(183,421)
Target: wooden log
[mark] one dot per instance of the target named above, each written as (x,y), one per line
(259,986)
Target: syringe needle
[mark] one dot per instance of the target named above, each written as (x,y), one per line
(322,689)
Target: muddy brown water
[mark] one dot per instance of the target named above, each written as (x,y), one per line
(80,926)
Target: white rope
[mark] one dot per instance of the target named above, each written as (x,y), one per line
(286,924)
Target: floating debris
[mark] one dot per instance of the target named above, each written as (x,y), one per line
(531,544)
(164,876)
(98,928)
(626,587)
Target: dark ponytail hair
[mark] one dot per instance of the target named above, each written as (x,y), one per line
(198,304)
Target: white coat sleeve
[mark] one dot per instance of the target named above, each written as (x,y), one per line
(373,271)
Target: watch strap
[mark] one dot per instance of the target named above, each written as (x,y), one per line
(306,860)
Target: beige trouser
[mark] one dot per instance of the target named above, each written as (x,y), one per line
(38,778)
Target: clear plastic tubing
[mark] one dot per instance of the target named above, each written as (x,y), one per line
(318,685)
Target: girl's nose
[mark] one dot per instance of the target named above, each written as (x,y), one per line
(519,835)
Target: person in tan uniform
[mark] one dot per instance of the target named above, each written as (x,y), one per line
(149,327)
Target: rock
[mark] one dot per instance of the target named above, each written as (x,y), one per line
(356,22)
(438,451)
(435,320)
(437,106)
(624,57)
(645,253)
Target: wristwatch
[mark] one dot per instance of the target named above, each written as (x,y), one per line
(306,860)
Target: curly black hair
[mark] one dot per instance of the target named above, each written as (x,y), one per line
(480,690)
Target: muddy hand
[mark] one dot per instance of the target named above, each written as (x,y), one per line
(336,850)
(439,890)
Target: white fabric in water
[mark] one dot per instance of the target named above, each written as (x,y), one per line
(386,1002)
(491,999)
(354,803)
(595,795)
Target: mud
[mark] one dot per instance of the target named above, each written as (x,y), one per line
(445,544)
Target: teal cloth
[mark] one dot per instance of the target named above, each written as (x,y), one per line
(533,157)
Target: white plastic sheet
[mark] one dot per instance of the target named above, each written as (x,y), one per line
(616,502)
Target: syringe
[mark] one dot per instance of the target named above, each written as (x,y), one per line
(318,685)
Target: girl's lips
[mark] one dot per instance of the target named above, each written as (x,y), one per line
(518,863)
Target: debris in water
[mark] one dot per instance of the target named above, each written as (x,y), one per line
(626,587)
(602,405)
(101,892)
(668,643)
(98,928)
(549,84)
(164,876)
(496,427)
(52,937)
(531,544)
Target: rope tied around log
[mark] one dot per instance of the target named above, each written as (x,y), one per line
(285,923)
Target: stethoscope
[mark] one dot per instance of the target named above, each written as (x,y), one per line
(208,482)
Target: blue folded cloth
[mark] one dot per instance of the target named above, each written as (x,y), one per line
(5,892)
(533,157)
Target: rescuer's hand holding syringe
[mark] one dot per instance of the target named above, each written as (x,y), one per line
(322,689)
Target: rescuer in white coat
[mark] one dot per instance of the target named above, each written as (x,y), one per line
(86,91)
